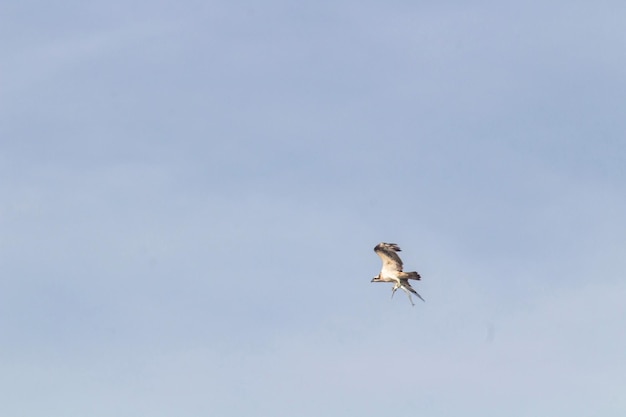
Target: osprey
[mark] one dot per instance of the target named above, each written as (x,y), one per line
(392,270)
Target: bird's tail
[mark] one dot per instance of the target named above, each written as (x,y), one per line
(410,275)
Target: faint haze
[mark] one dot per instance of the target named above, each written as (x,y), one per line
(192,191)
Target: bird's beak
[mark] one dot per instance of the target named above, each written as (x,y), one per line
(373,279)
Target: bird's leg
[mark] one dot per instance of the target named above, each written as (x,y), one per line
(393,290)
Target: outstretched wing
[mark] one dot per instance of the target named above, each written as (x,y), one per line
(391,261)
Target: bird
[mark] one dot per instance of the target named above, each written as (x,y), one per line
(392,270)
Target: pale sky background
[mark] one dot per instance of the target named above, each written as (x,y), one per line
(191,191)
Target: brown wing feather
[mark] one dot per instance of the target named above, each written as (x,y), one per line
(387,252)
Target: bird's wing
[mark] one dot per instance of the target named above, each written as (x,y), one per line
(391,260)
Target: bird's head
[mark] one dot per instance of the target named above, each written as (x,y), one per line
(376,279)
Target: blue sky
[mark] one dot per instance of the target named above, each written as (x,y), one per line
(192,190)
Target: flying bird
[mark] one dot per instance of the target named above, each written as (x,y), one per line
(392,270)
